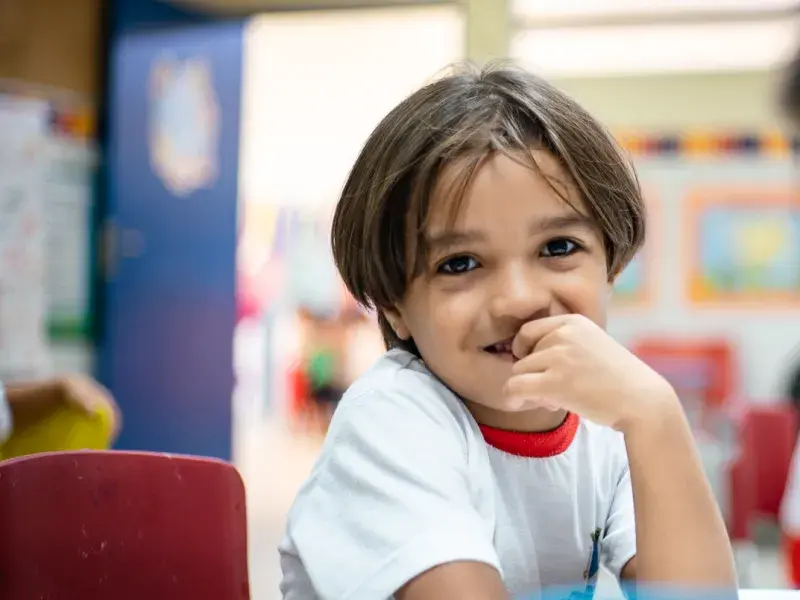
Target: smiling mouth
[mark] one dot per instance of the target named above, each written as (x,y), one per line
(502,349)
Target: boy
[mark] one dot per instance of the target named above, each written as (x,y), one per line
(23,403)
(496,449)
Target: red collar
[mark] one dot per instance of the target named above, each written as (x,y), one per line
(534,444)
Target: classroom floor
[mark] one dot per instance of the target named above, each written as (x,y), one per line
(274,464)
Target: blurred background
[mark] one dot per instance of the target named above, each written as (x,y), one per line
(168,172)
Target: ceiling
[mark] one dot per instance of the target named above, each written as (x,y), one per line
(254,6)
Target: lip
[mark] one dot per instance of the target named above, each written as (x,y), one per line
(501,349)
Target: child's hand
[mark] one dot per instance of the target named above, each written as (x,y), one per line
(568,362)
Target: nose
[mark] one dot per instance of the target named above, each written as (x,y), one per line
(520,293)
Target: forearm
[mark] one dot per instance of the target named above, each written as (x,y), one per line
(29,400)
(681,535)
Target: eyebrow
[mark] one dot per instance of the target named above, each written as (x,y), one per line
(452,237)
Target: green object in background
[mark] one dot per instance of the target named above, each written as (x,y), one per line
(66,428)
(69,330)
(321,367)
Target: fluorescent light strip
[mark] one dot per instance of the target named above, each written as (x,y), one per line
(594,8)
(648,49)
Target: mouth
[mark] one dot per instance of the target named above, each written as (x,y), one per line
(501,349)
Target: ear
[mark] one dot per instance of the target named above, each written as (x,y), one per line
(398,324)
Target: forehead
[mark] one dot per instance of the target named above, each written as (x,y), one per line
(503,190)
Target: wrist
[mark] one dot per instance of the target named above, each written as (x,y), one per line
(660,410)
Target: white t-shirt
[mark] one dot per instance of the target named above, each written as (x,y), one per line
(406,481)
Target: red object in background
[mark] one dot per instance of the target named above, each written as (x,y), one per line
(743,492)
(705,366)
(759,475)
(705,370)
(121,526)
(791,548)
(300,392)
(773,429)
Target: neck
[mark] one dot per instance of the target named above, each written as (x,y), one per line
(528,421)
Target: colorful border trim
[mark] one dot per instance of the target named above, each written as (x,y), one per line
(78,124)
(706,144)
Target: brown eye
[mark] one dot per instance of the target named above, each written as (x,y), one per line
(458,265)
(559,247)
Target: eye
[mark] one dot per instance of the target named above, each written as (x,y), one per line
(457,265)
(559,247)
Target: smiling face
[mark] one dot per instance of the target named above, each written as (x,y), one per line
(453,286)
(515,252)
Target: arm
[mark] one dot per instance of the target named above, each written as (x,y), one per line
(463,580)
(569,362)
(681,536)
(31,401)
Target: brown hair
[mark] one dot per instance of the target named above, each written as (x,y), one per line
(466,116)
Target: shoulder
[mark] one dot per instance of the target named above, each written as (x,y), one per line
(399,391)
(399,442)
(396,417)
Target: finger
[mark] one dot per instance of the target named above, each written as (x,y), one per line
(538,361)
(531,389)
(533,332)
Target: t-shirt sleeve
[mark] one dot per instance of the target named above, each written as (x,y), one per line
(5,416)
(619,542)
(389,500)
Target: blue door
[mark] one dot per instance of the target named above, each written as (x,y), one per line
(165,347)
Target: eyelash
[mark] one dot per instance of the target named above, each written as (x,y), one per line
(446,264)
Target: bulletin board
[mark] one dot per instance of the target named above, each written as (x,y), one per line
(744,246)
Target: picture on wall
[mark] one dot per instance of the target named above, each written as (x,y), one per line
(633,287)
(744,246)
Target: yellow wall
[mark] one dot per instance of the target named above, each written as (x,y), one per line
(731,101)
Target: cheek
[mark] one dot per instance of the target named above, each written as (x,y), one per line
(439,319)
(586,292)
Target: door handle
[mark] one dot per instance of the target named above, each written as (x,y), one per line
(118,244)
(108,252)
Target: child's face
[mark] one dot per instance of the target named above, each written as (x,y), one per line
(516,252)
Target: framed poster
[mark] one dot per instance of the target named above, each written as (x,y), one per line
(634,286)
(744,246)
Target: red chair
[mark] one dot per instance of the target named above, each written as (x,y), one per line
(773,430)
(121,526)
(743,493)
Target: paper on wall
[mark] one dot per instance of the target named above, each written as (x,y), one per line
(23,307)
